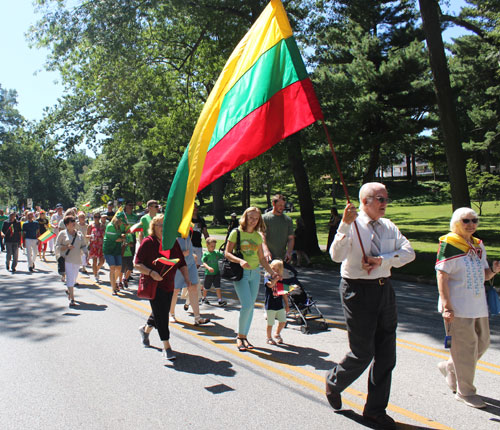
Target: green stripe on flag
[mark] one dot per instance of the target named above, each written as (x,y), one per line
(276,69)
(175,203)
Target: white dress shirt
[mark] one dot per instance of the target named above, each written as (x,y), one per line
(396,250)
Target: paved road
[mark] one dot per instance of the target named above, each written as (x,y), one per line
(78,368)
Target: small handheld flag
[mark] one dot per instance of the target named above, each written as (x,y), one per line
(45,237)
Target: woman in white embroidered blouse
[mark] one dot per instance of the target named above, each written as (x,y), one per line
(461,271)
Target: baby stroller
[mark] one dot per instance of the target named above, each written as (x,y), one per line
(302,306)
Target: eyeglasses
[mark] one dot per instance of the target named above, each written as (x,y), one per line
(382,199)
(156,206)
(468,220)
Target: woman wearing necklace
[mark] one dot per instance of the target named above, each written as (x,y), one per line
(461,271)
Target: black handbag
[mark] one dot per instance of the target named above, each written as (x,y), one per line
(229,270)
(61,261)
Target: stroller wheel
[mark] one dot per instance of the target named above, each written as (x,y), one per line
(304,329)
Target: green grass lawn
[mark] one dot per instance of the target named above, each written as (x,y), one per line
(422,224)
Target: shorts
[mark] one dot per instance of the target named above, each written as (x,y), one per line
(179,282)
(199,253)
(113,260)
(211,280)
(127,263)
(279,315)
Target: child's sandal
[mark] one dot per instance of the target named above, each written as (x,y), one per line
(279,339)
(270,341)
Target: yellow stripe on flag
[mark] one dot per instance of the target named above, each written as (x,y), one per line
(271,27)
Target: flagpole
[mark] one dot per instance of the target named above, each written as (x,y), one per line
(343,184)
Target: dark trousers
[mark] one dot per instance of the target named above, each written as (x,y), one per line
(12,253)
(371,320)
(160,307)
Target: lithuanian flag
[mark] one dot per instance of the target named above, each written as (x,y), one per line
(45,237)
(262,96)
(453,245)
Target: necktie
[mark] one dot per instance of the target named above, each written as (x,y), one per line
(375,246)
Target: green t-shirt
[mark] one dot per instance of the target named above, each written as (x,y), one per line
(249,244)
(2,219)
(130,239)
(278,228)
(109,245)
(145,221)
(212,258)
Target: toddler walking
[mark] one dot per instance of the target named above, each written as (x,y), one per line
(210,261)
(274,303)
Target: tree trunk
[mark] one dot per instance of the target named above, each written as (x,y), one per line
(447,112)
(218,202)
(296,161)
(245,194)
(413,169)
(372,163)
(408,167)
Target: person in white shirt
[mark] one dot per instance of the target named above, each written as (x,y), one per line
(368,300)
(461,270)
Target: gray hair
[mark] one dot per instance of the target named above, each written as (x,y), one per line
(367,188)
(458,215)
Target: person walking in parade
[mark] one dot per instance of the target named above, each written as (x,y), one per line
(95,235)
(279,237)
(31,231)
(461,270)
(43,224)
(368,300)
(12,233)
(249,231)
(147,264)
(70,244)
(114,236)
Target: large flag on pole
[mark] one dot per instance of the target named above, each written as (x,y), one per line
(262,96)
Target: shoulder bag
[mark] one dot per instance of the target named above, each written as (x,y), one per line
(147,287)
(61,261)
(493,300)
(229,270)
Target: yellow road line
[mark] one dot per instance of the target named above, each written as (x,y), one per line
(219,341)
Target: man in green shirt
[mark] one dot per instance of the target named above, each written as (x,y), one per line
(278,238)
(152,208)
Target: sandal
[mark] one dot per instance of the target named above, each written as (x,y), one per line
(247,344)
(240,344)
(279,339)
(115,292)
(200,321)
(270,341)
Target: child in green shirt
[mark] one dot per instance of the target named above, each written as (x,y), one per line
(210,261)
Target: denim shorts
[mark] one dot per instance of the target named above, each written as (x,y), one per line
(113,260)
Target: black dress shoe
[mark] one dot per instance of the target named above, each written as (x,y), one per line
(334,399)
(384,421)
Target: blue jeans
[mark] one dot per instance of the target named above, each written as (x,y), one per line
(247,289)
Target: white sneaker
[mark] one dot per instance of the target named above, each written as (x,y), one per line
(96,277)
(172,318)
(473,401)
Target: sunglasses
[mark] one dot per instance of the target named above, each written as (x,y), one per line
(382,199)
(158,225)
(468,220)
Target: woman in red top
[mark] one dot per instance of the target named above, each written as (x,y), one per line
(145,263)
(95,235)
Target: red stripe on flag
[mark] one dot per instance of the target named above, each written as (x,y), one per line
(287,112)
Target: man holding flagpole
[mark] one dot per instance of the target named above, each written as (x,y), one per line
(368,300)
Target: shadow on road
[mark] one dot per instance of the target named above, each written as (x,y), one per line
(27,308)
(198,365)
(295,356)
